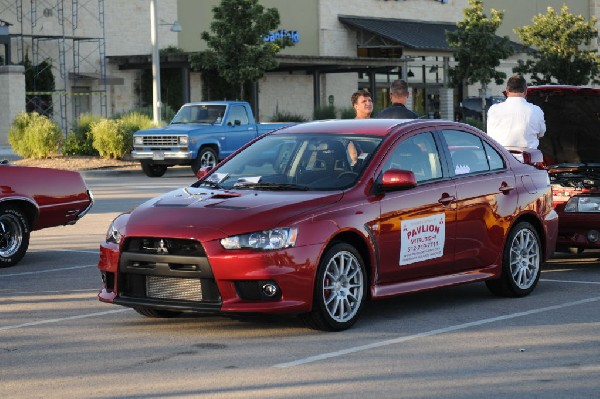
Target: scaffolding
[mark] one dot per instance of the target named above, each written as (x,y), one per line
(67,37)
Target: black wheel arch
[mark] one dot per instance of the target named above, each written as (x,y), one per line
(28,207)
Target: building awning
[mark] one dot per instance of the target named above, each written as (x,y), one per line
(96,78)
(331,64)
(415,35)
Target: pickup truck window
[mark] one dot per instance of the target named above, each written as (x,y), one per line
(238,113)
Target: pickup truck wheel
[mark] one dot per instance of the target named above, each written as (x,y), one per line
(152,169)
(157,313)
(339,289)
(521,263)
(14,235)
(207,157)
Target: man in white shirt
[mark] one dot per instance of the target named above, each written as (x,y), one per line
(516,122)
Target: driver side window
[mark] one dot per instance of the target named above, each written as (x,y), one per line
(418,154)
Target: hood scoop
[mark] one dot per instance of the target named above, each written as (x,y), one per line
(183,198)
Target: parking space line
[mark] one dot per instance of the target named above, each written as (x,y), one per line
(47,271)
(374,345)
(49,321)
(569,281)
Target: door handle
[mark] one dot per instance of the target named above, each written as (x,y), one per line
(505,188)
(446,199)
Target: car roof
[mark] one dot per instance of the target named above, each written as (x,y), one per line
(373,127)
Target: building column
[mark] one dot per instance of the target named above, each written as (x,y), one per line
(447,103)
(12,82)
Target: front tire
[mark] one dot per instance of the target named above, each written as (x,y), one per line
(14,235)
(339,289)
(521,263)
(152,169)
(207,158)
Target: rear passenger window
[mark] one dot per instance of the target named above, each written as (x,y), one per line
(494,159)
(418,154)
(466,151)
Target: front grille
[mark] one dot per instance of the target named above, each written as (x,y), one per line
(161,141)
(183,289)
(164,246)
(165,271)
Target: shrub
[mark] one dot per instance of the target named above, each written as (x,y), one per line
(80,140)
(108,138)
(167,112)
(288,117)
(34,136)
(478,123)
(347,113)
(114,138)
(327,112)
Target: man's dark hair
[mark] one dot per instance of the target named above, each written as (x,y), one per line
(399,88)
(516,84)
(356,94)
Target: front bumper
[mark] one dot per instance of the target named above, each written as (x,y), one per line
(576,229)
(161,155)
(219,281)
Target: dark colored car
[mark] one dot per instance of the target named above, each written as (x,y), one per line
(571,148)
(33,199)
(292,223)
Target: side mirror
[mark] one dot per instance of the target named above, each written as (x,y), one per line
(203,172)
(397,179)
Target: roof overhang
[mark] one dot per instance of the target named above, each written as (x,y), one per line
(309,64)
(421,36)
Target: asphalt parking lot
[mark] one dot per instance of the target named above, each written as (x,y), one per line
(57,340)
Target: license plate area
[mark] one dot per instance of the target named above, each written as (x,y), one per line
(158,156)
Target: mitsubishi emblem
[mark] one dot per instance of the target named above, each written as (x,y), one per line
(162,249)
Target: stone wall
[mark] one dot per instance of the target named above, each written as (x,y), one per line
(12,82)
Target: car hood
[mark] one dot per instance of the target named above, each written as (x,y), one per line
(572,117)
(223,213)
(178,129)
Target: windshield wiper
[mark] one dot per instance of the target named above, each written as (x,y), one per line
(272,186)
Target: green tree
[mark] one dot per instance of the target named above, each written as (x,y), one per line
(559,41)
(237,49)
(477,49)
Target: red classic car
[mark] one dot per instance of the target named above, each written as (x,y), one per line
(571,148)
(33,199)
(296,223)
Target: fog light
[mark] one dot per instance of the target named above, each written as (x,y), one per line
(269,289)
(593,235)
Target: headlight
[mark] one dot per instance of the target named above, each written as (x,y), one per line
(113,235)
(183,140)
(583,204)
(138,140)
(284,237)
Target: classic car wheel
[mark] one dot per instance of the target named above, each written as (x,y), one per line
(521,263)
(152,169)
(339,289)
(157,313)
(207,157)
(14,235)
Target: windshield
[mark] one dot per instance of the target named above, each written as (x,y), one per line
(200,113)
(297,162)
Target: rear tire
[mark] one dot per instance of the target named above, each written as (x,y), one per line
(14,235)
(157,313)
(521,263)
(339,289)
(152,169)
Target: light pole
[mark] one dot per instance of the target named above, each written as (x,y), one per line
(156,102)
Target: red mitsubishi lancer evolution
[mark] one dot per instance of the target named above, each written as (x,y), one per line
(317,218)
